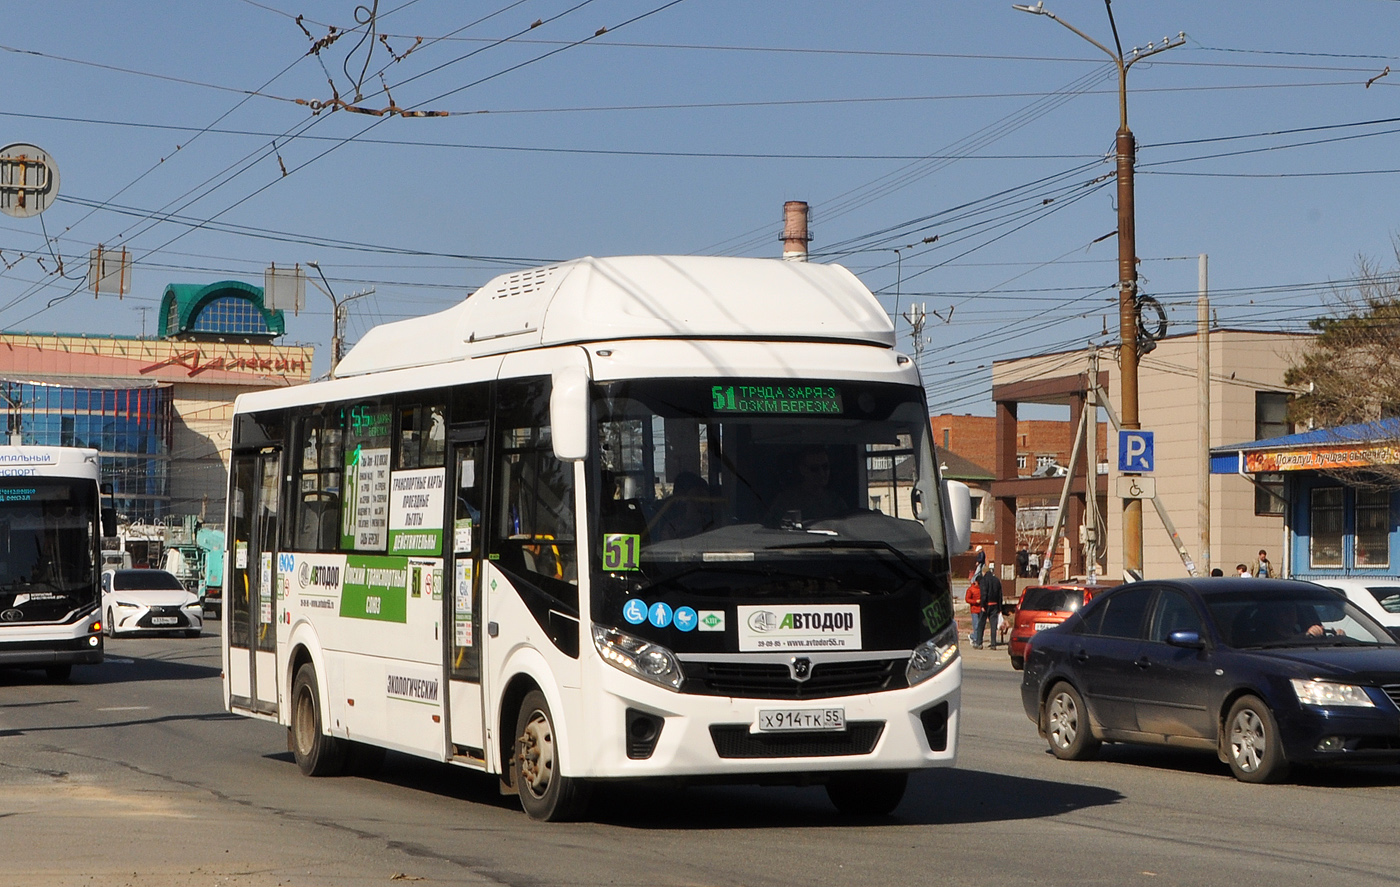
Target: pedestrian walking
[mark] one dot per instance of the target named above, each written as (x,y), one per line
(990,587)
(1262,568)
(981,563)
(1243,571)
(974,604)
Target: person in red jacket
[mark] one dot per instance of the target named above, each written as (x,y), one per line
(974,603)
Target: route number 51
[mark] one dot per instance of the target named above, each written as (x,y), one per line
(620,551)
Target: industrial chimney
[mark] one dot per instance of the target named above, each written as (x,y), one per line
(795,236)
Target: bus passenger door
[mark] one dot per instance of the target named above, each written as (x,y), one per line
(252,606)
(463,576)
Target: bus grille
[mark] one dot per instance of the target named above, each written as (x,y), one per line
(773,680)
(735,741)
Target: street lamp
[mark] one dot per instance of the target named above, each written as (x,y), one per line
(339,312)
(1127,255)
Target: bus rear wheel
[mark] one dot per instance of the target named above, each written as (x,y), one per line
(317,753)
(545,793)
(874,793)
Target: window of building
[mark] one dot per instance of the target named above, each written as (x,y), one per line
(1045,459)
(1271,414)
(946,435)
(1268,494)
(1021,460)
(1372,528)
(978,503)
(1327,519)
(234,315)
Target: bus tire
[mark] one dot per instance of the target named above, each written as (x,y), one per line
(317,753)
(872,793)
(545,793)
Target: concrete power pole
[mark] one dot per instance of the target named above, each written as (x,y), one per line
(1203,415)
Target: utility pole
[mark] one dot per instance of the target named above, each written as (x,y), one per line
(916,317)
(1203,415)
(1125,149)
(1091,473)
(339,312)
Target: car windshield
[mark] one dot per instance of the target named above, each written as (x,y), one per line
(1288,618)
(145,580)
(47,549)
(771,489)
(1388,596)
(1052,599)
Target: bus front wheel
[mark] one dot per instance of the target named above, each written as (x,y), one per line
(872,793)
(545,793)
(317,753)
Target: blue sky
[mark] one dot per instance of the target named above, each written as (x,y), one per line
(684,127)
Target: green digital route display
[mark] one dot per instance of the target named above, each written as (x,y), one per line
(777,399)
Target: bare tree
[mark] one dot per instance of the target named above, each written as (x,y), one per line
(1350,372)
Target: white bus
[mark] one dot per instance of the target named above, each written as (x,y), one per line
(610,519)
(51,527)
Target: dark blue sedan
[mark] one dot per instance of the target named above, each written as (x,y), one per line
(1264,672)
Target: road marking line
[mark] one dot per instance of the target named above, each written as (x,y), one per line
(127,708)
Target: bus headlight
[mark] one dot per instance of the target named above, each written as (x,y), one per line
(933,655)
(651,662)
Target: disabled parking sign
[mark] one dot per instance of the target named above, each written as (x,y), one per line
(1135,451)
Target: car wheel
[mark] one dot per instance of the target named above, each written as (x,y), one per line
(109,626)
(58,673)
(316,753)
(1251,742)
(874,793)
(1018,662)
(1067,725)
(545,793)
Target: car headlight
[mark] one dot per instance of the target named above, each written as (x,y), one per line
(933,655)
(1328,694)
(127,605)
(648,661)
(193,605)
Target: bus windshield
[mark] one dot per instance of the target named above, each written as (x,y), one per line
(765,489)
(46,548)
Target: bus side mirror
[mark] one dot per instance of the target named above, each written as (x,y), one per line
(959,516)
(568,414)
(109,521)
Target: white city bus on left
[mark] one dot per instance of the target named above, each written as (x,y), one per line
(51,523)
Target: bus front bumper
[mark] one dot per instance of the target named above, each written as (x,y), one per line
(714,736)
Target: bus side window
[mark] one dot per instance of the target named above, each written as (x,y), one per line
(315,525)
(535,531)
(422,436)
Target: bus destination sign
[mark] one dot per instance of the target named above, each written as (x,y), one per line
(777,399)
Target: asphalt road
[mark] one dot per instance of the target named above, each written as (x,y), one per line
(131,774)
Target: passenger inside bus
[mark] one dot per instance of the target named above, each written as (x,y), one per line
(687,511)
(808,497)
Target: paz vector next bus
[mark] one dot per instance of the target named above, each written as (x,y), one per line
(51,525)
(609,519)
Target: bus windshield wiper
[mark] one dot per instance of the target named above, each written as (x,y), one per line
(866,544)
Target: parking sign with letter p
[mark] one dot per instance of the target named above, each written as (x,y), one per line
(1135,451)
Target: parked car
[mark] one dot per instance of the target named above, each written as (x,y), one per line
(1042,607)
(149,601)
(1379,597)
(1264,672)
